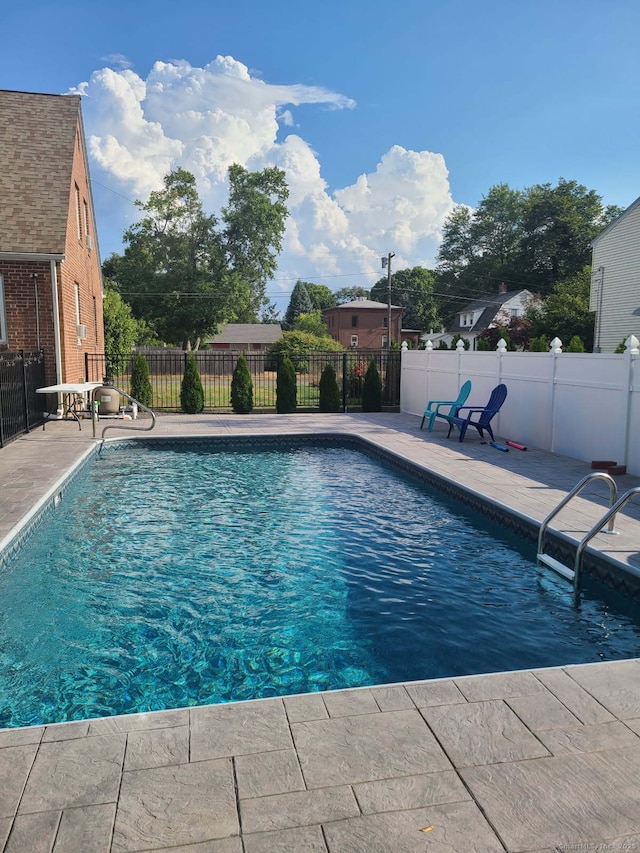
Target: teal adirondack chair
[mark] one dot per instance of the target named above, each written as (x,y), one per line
(433,407)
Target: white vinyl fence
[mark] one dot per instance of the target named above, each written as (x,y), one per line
(582,405)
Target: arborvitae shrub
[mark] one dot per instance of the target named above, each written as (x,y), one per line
(141,389)
(286,391)
(330,400)
(372,389)
(191,390)
(575,344)
(483,345)
(442,345)
(241,388)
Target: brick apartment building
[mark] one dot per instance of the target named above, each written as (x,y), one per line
(363,323)
(50,277)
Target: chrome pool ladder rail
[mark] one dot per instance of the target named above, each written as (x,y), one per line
(608,518)
(121,426)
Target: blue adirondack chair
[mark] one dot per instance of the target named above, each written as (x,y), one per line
(479,416)
(433,407)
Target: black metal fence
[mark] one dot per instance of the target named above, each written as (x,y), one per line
(166,369)
(21,373)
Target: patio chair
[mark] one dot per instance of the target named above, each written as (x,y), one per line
(479,416)
(433,407)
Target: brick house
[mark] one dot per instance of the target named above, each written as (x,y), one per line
(50,276)
(363,323)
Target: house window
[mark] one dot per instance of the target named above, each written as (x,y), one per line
(95,320)
(385,341)
(76,294)
(78,222)
(385,322)
(354,340)
(85,212)
(515,312)
(3,322)
(354,321)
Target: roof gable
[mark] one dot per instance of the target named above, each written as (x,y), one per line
(37,145)
(360,304)
(617,221)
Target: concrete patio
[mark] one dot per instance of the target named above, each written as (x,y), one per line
(537,760)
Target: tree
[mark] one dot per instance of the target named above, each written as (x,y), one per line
(141,389)
(270,314)
(286,388)
(413,289)
(191,390)
(183,272)
(298,345)
(299,303)
(320,295)
(120,331)
(531,239)
(565,312)
(575,345)
(311,322)
(241,388)
(330,400)
(372,389)
(348,294)
(254,225)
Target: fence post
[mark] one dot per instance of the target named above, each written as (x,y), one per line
(344,381)
(555,349)
(631,351)
(25,404)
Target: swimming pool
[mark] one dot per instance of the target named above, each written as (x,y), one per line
(182,574)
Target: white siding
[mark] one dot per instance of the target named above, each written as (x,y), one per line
(615,289)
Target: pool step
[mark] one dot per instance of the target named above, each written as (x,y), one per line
(557,566)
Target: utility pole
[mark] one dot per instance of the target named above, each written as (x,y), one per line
(386,264)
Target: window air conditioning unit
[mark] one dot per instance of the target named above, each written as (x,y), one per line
(89,241)
(81,331)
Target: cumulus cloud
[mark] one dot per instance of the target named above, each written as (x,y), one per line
(205,119)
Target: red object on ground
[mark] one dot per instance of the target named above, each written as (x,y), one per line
(606,463)
(617,469)
(516,445)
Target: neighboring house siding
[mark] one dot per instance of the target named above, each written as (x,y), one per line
(615,289)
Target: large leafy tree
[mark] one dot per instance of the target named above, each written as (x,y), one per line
(414,290)
(184,272)
(120,331)
(534,239)
(320,295)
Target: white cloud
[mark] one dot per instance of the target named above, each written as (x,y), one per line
(205,119)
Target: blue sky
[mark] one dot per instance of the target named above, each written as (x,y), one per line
(384,115)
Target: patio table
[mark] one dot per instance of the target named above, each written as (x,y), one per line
(73,398)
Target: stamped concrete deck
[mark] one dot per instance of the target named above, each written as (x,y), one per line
(528,761)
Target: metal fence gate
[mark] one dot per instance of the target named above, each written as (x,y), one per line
(166,369)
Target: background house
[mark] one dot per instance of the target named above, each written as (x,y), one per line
(245,337)
(363,323)
(615,280)
(50,277)
(492,311)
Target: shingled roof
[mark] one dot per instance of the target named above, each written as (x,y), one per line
(37,138)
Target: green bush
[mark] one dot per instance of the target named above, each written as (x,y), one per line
(330,400)
(483,345)
(442,345)
(286,390)
(141,389)
(622,347)
(540,344)
(575,344)
(297,346)
(241,388)
(372,389)
(191,390)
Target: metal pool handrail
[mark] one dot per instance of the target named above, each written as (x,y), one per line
(119,426)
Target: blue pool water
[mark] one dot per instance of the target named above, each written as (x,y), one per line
(178,576)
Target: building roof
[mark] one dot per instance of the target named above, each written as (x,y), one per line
(37,139)
(615,222)
(489,305)
(248,333)
(360,303)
